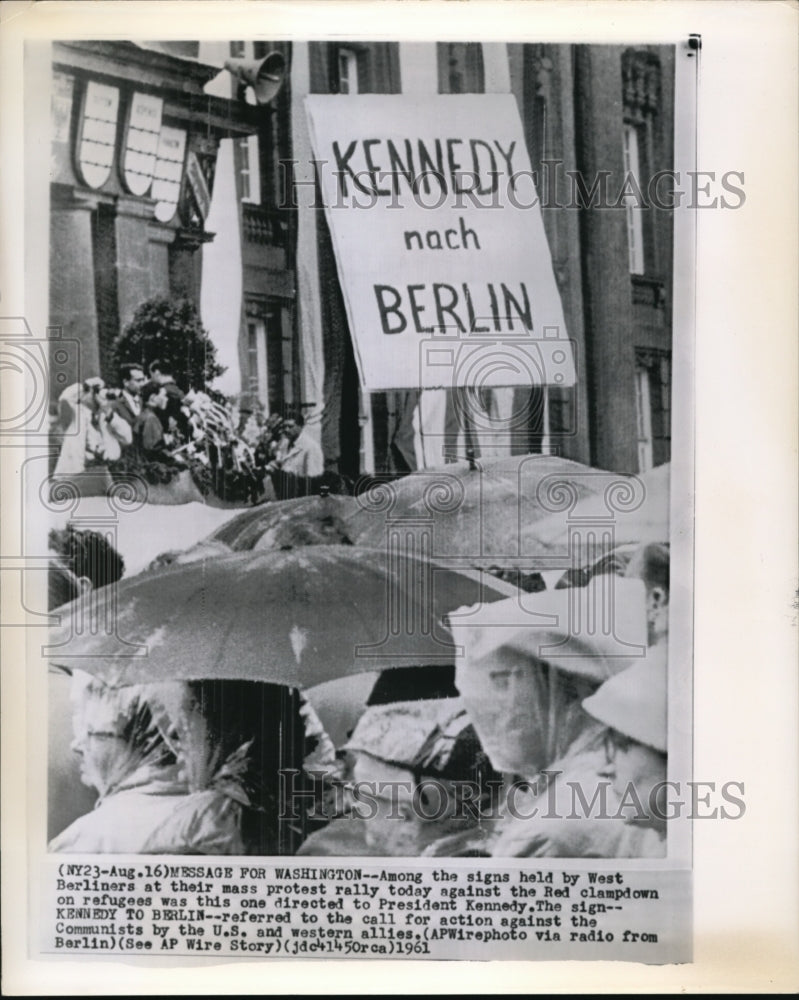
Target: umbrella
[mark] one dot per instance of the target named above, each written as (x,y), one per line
(630,509)
(482,515)
(296,617)
(276,524)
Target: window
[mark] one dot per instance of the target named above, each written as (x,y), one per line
(643,409)
(256,386)
(347,71)
(268,345)
(635,229)
(653,406)
(641,92)
(248,168)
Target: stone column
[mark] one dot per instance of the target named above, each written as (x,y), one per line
(133,256)
(606,277)
(73,305)
(185,265)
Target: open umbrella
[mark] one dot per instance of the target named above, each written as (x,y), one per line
(277,524)
(296,617)
(629,509)
(482,515)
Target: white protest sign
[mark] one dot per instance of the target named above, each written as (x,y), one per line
(440,245)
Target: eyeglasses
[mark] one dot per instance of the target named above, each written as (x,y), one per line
(100,735)
(613,742)
(500,679)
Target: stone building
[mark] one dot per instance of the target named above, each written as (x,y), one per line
(598,124)
(134,149)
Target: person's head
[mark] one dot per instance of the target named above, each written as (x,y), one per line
(160,372)
(114,733)
(528,663)
(417,773)
(90,394)
(633,707)
(89,555)
(132,378)
(292,426)
(650,563)
(153,396)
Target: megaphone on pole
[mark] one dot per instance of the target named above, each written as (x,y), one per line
(265,76)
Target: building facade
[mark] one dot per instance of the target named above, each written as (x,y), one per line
(134,149)
(599,126)
(226,229)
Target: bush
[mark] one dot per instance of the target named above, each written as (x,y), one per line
(170,331)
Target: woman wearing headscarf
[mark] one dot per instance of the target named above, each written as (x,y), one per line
(125,759)
(525,671)
(240,745)
(416,773)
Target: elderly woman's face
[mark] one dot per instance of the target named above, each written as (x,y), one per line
(102,751)
(504,700)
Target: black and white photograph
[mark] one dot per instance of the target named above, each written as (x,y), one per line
(406,431)
(357,494)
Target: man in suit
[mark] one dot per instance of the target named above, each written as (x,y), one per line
(128,403)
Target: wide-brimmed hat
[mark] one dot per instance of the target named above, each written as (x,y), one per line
(634,702)
(593,632)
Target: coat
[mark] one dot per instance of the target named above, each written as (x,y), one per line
(303,457)
(125,821)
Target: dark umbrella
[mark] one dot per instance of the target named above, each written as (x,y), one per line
(277,524)
(296,617)
(481,515)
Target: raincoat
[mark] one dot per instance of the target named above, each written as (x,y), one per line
(232,740)
(138,782)
(535,730)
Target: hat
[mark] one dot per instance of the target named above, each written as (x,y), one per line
(634,702)
(593,631)
(430,737)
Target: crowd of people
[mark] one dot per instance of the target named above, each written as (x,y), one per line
(478,759)
(149,427)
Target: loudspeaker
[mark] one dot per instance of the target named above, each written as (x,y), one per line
(265,76)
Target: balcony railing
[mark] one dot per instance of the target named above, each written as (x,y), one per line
(264,226)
